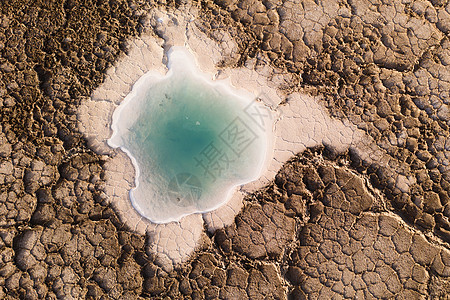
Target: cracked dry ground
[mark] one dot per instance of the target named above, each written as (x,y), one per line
(330,226)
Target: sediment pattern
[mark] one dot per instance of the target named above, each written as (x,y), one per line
(331,224)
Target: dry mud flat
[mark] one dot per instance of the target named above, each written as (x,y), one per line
(330,224)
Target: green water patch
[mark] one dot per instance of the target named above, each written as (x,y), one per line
(192,140)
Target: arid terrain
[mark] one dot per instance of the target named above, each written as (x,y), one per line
(331,225)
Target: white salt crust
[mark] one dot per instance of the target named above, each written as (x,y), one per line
(300,122)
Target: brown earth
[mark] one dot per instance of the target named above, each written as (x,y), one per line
(329,226)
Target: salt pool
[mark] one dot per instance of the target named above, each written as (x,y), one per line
(192,140)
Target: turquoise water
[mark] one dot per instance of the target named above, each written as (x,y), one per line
(190,140)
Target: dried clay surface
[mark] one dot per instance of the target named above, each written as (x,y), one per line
(354,203)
